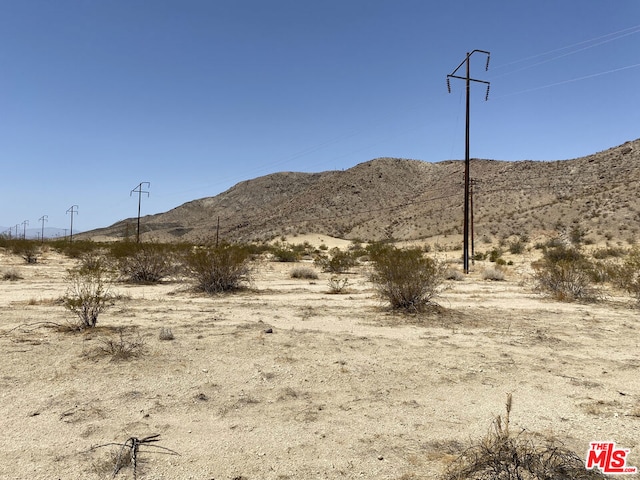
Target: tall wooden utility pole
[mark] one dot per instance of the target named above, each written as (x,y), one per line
(467,78)
(139,191)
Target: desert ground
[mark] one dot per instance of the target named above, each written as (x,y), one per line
(286,380)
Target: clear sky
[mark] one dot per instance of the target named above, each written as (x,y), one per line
(194,96)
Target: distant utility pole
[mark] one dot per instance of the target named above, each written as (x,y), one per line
(72,209)
(24,229)
(467,78)
(43,218)
(139,191)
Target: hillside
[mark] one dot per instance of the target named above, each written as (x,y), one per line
(411,199)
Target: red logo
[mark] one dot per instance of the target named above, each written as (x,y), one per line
(608,458)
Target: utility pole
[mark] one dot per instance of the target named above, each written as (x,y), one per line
(44,218)
(24,229)
(467,78)
(72,209)
(17,226)
(139,191)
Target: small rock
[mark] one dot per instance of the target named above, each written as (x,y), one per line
(269,330)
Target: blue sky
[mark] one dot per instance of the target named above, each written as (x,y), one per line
(194,96)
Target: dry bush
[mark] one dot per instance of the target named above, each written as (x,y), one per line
(501,455)
(12,275)
(166,334)
(453,274)
(88,293)
(406,278)
(304,272)
(566,274)
(219,269)
(494,274)
(121,348)
(338,285)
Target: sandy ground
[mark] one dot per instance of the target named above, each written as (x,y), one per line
(341,388)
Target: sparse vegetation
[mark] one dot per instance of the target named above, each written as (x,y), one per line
(406,278)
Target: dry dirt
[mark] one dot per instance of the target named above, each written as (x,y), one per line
(341,388)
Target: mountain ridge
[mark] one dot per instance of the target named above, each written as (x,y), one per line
(403,199)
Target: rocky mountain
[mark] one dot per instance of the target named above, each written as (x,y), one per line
(410,199)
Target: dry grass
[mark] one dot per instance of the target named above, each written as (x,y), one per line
(503,455)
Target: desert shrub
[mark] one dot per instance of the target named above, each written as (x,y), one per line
(627,274)
(479,256)
(608,252)
(406,278)
(338,262)
(566,274)
(338,285)
(283,252)
(88,293)
(453,274)
(165,334)
(75,249)
(516,246)
(27,249)
(495,274)
(218,269)
(12,275)
(495,255)
(143,262)
(502,455)
(123,347)
(304,272)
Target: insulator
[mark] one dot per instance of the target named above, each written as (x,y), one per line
(448,85)
(486,97)
(487,66)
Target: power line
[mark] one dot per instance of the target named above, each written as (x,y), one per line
(569,81)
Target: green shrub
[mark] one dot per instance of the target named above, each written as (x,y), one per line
(219,269)
(143,262)
(27,249)
(283,252)
(627,275)
(338,262)
(406,278)
(74,249)
(495,254)
(516,247)
(566,274)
